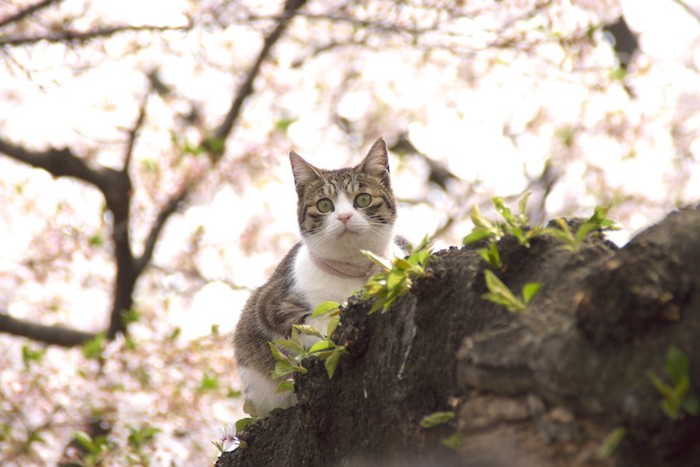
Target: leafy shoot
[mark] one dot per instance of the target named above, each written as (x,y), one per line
(398,275)
(517,225)
(573,241)
(500,294)
(676,396)
(437,419)
(290,352)
(610,443)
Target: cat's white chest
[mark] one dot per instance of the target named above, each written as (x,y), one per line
(318,286)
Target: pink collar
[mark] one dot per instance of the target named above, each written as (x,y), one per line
(343,268)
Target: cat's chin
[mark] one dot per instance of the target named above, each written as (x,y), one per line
(347,245)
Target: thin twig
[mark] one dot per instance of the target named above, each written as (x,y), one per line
(31,9)
(165,213)
(695,15)
(84,36)
(246,87)
(134,133)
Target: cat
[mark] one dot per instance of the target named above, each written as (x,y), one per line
(340,212)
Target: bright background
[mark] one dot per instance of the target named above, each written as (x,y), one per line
(507,96)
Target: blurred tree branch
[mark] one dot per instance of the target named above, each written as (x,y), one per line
(216,143)
(85,36)
(31,9)
(54,334)
(116,186)
(687,8)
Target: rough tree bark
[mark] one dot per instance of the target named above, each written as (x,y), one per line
(539,388)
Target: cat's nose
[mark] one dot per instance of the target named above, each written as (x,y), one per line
(344,218)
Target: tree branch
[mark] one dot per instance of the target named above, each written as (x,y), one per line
(58,162)
(84,36)
(215,143)
(21,14)
(168,210)
(54,335)
(134,133)
(116,188)
(688,9)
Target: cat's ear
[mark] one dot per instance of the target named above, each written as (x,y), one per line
(304,173)
(376,162)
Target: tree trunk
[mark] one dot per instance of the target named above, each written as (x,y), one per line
(539,388)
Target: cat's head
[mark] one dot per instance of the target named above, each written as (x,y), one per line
(343,211)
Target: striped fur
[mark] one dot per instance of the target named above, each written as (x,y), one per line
(340,212)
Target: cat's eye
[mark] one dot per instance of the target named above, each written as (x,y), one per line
(362,200)
(325,205)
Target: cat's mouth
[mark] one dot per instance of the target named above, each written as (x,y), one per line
(348,230)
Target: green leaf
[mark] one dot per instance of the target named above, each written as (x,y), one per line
(215,145)
(284,386)
(294,347)
(420,257)
(321,345)
(93,348)
(401,264)
(522,203)
(610,443)
(130,316)
(454,441)
(35,437)
(595,222)
(309,330)
(491,255)
(394,279)
(96,240)
(209,382)
(500,293)
(86,441)
(30,355)
(663,388)
(249,408)
(530,290)
(476,235)
(242,423)
(479,219)
(670,408)
(677,364)
(277,354)
(139,437)
(325,307)
(436,419)
(283,124)
(383,262)
(332,325)
(284,369)
(175,334)
(332,361)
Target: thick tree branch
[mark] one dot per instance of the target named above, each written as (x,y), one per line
(54,335)
(85,36)
(31,9)
(58,162)
(116,188)
(215,143)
